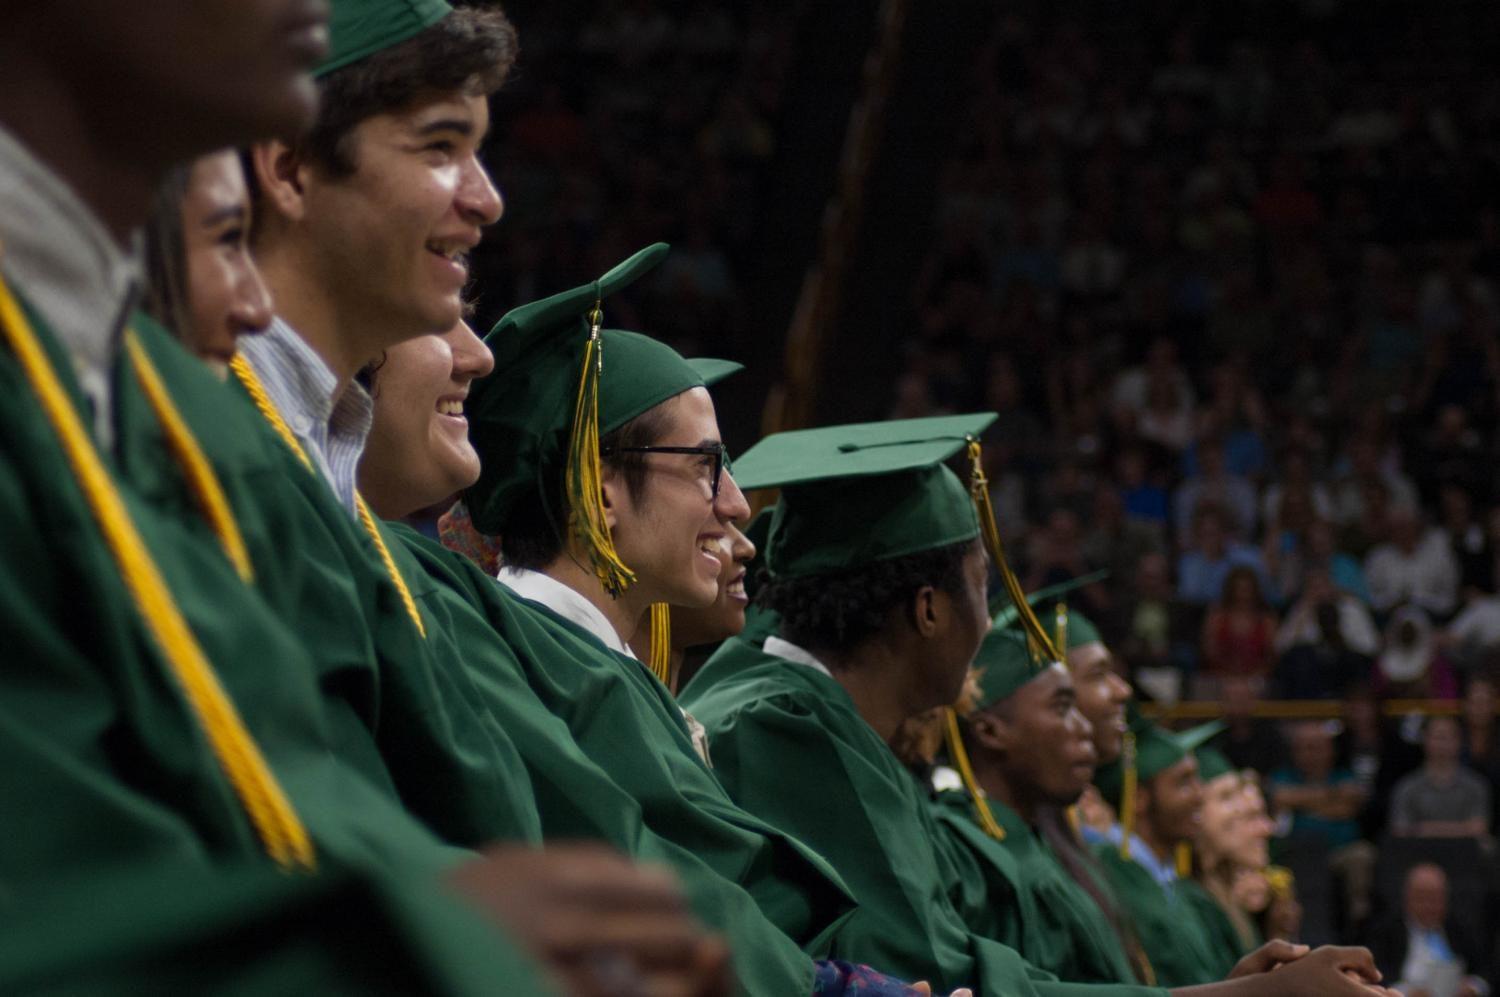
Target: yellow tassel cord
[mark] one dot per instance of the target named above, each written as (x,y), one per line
(257,392)
(581,482)
(1184,859)
(1060,628)
(1127,794)
(659,659)
(200,474)
(270,812)
(979,488)
(960,758)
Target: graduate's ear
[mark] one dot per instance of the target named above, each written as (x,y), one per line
(926,613)
(612,488)
(990,731)
(280,176)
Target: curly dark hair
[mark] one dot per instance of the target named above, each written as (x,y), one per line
(841,609)
(532,536)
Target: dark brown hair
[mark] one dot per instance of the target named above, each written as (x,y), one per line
(165,296)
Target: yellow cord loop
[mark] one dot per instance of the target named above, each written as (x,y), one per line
(582,478)
(660,656)
(257,392)
(1127,794)
(960,758)
(979,489)
(270,812)
(202,481)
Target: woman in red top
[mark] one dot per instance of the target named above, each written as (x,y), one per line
(1240,630)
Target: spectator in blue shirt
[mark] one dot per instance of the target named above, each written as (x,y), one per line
(1203,566)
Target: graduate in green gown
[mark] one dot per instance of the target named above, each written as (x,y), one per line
(1156,791)
(877,574)
(1029,747)
(410,464)
(1225,835)
(161,728)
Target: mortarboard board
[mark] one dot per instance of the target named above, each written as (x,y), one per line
(360,28)
(560,382)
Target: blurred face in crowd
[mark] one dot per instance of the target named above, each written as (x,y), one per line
(1173,803)
(418,452)
(725,616)
(226,297)
(1251,848)
(1044,745)
(1427,897)
(1223,815)
(1102,695)
(1440,741)
(671,534)
(1312,750)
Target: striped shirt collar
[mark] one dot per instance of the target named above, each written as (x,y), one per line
(331,424)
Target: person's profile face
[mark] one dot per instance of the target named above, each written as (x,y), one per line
(670,534)
(725,616)
(1102,695)
(1052,745)
(1177,801)
(394,237)
(226,297)
(419,437)
(193,75)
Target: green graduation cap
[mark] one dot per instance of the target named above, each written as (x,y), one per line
(1004,610)
(1212,763)
(522,417)
(1149,751)
(1005,663)
(857,494)
(360,28)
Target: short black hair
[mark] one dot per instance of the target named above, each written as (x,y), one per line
(532,535)
(841,609)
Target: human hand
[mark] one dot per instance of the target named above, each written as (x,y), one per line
(1328,970)
(600,923)
(1274,953)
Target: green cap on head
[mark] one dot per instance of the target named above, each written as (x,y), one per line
(857,494)
(1080,630)
(1156,750)
(1212,763)
(1004,664)
(1005,612)
(360,28)
(521,416)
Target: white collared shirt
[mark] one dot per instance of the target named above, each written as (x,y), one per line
(565,602)
(61,258)
(782,648)
(331,425)
(573,607)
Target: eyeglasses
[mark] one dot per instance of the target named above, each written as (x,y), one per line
(719,453)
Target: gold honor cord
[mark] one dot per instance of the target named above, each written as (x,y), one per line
(275,822)
(979,490)
(200,474)
(960,758)
(1061,627)
(583,475)
(257,392)
(659,659)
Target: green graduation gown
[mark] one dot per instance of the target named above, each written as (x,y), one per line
(1224,941)
(1063,930)
(577,798)
(1168,928)
(790,746)
(107,769)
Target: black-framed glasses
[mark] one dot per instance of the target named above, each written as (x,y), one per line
(718,452)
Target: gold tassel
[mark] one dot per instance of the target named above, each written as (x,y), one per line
(1127,794)
(979,489)
(1184,859)
(586,518)
(1061,626)
(660,654)
(960,758)
(270,811)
